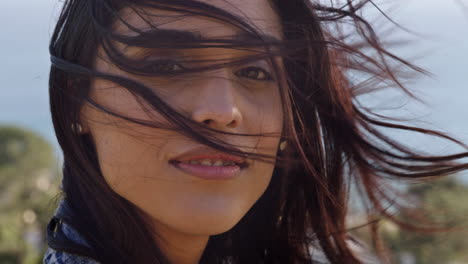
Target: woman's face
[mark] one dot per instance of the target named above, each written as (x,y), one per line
(136,160)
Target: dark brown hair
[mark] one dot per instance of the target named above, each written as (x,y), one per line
(333,141)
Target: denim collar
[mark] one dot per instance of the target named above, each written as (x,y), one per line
(57,226)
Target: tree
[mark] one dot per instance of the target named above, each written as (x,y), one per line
(29,180)
(445,203)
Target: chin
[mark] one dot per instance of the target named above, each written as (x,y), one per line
(205,222)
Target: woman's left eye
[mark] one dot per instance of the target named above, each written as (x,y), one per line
(255,73)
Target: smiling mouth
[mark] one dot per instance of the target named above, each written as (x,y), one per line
(211,163)
(210,170)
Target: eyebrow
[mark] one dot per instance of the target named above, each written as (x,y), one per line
(188,36)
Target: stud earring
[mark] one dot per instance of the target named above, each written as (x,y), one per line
(77,128)
(283,145)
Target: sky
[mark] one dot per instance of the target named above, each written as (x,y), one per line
(442,48)
(26,29)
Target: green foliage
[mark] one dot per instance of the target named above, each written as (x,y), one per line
(445,204)
(29,180)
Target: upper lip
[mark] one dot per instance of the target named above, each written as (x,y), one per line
(204,152)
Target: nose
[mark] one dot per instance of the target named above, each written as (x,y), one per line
(215,104)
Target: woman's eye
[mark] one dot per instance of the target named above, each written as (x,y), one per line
(255,73)
(165,66)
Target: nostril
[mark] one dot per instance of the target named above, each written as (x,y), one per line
(232,124)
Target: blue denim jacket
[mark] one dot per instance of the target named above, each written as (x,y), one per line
(58,227)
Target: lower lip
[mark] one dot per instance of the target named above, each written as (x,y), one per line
(209,172)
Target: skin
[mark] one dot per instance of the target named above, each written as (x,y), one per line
(135,160)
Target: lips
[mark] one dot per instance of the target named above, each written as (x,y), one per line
(206,163)
(210,172)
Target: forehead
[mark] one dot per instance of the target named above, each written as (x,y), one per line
(258,13)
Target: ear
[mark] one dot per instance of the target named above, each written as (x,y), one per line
(83,119)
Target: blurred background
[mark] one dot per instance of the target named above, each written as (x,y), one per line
(30,157)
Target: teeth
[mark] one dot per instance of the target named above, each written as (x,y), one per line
(208,162)
(218,163)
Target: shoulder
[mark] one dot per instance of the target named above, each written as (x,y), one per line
(59,257)
(61,234)
(53,256)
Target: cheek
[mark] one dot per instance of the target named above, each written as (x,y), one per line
(274,115)
(125,150)
(269,119)
(120,101)
(124,157)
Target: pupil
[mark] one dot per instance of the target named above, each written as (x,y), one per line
(165,66)
(253,74)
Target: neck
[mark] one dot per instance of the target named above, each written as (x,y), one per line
(181,248)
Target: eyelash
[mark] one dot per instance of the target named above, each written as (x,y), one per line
(165,63)
(259,70)
(240,73)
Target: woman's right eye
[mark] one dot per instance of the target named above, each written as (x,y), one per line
(165,66)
